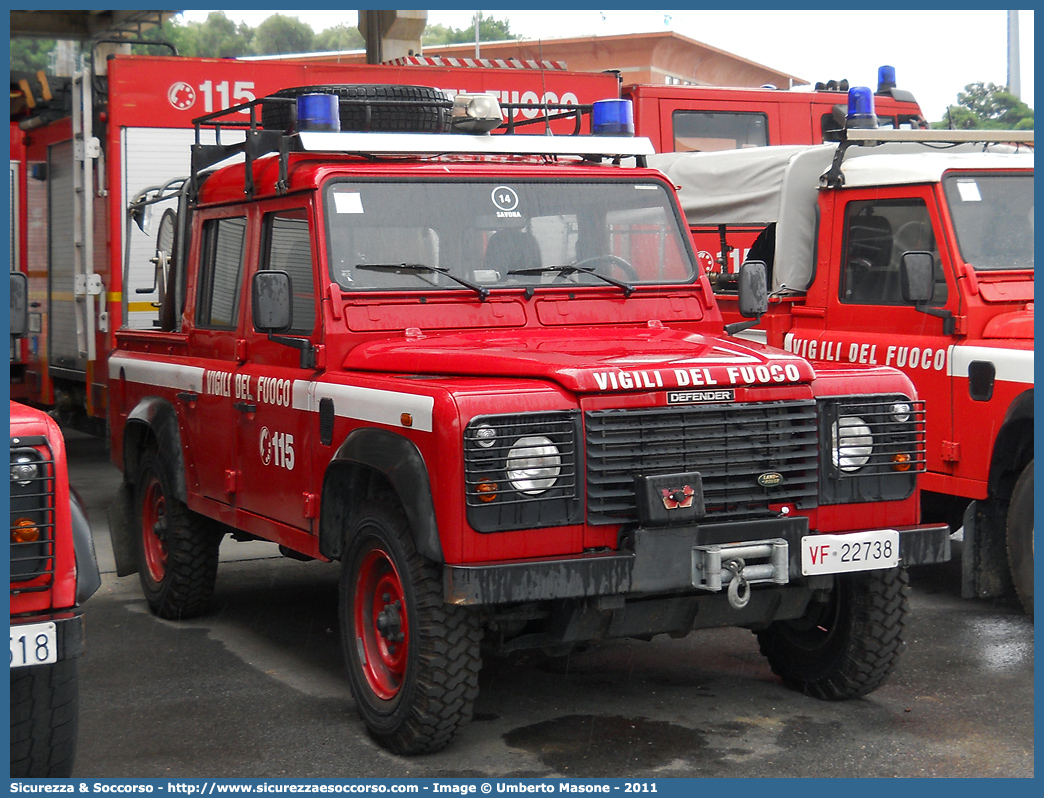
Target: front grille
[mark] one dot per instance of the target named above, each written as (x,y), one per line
(877,446)
(876,431)
(730,445)
(32,508)
(496,446)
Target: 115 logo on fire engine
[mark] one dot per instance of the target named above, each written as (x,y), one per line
(277,448)
(677,498)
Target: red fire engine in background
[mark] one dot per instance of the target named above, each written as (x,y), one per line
(72,176)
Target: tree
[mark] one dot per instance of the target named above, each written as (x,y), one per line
(31,55)
(490,30)
(281,35)
(341,37)
(987,106)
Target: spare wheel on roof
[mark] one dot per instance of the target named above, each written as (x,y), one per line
(420,109)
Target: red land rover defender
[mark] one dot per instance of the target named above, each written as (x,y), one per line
(484,372)
(906,248)
(53,571)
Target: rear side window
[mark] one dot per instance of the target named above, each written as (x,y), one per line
(707,131)
(221,273)
(288,248)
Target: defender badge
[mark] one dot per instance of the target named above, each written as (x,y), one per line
(677,498)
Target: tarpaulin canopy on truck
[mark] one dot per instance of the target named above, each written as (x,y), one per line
(779,184)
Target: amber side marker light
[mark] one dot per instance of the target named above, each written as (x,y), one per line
(406,420)
(25,530)
(901,462)
(487,491)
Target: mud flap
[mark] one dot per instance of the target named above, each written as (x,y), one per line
(984,558)
(121,530)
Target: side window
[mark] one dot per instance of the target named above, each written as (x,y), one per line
(288,248)
(877,235)
(221,271)
(706,131)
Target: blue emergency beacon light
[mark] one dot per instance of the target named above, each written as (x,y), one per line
(318,112)
(612,118)
(861,108)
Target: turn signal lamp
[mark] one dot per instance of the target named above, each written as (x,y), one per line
(612,118)
(901,462)
(476,113)
(487,491)
(318,112)
(25,530)
(861,108)
(885,78)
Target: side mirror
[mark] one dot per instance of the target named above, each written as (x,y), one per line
(271,306)
(753,289)
(142,217)
(917,277)
(19,305)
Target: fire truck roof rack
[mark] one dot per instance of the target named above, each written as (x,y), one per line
(873,136)
(259,141)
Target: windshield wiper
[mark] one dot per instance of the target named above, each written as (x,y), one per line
(628,289)
(414,268)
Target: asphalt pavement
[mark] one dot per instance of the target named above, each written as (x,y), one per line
(258,688)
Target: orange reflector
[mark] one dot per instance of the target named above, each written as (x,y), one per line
(487,491)
(901,462)
(25,530)
(406,420)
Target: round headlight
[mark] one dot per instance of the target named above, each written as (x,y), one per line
(901,412)
(851,442)
(533,464)
(485,436)
(24,471)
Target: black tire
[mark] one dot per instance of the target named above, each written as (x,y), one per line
(1020,537)
(177,549)
(848,646)
(427,111)
(44,717)
(414,683)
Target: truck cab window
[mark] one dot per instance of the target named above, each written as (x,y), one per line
(877,235)
(707,131)
(221,269)
(288,248)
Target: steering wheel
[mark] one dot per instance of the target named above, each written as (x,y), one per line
(630,275)
(914,235)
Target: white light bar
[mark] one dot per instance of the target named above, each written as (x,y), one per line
(942,136)
(455,143)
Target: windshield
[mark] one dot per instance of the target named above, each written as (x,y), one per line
(993,217)
(425,234)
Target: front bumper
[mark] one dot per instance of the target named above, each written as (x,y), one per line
(68,628)
(661,562)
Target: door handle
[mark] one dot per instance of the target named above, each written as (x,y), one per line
(245,407)
(187,396)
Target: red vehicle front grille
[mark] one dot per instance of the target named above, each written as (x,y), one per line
(32,518)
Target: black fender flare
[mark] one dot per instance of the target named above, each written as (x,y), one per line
(156,417)
(88,575)
(1013,449)
(348,477)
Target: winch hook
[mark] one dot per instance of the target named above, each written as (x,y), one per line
(739,588)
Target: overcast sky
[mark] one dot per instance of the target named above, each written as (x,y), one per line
(935,53)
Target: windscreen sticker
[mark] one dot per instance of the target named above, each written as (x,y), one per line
(969,191)
(348,202)
(506,201)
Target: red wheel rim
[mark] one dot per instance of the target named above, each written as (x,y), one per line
(154,524)
(381,625)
